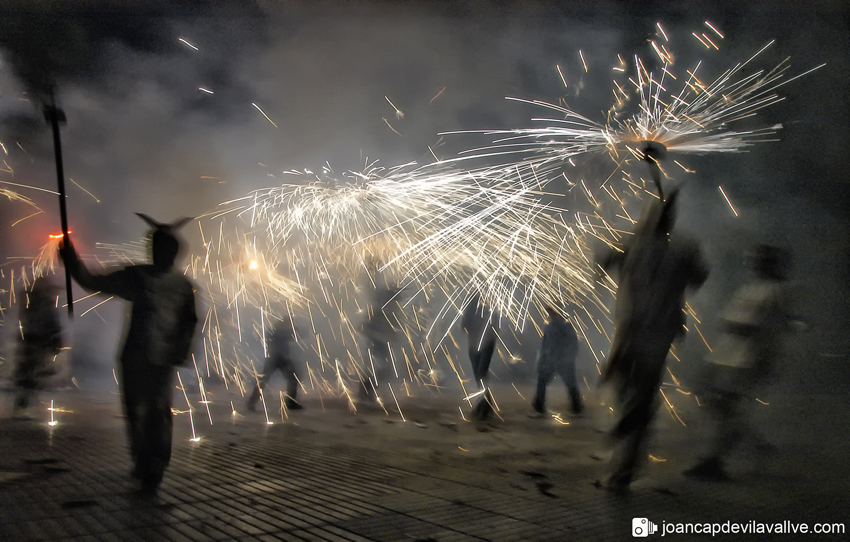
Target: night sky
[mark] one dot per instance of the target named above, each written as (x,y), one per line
(142,137)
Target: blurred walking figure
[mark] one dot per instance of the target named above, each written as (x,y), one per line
(159,339)
(479,323)
(755,321)
(279,359)
(380,334)
(653,272)
(40,341)
(557,355)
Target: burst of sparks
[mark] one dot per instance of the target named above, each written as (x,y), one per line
(320,246)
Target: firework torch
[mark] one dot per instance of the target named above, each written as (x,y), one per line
(54,116)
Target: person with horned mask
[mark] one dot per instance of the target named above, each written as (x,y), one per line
(160,336)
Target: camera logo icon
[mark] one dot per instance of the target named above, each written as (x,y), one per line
(642,527)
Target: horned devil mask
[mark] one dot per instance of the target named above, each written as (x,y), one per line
(164,244)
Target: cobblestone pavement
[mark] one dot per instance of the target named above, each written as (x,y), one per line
(328,474)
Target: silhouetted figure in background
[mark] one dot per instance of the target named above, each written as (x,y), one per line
(159,339)
(380,333)
(479,323)
(40,341)
(279,359)
(653,272)
(754,323)
(557,355)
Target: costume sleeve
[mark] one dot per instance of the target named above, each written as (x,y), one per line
(121,281)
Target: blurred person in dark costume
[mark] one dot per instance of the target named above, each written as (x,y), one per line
(40,341)
(744,360)
(279,359)
(159,339)
(557,355)
(479,324)
(380,333)
(652,271)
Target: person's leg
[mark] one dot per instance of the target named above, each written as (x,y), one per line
(638,404)
(544,376)
(132,387)
(269,367)
(288,371)
(567,371)
(366,391)
(485,356)
(630,437)
(25,377)
(474,362)
(24,392)
(729,430)
(383,364)
(722,407)
(158,423)
(375,371)
(484,408)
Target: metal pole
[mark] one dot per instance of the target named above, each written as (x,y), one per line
(653,153)
(55,115)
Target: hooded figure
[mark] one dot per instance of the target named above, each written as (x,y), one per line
(41,340)
(159,338)
(653,272)
(479,323)
(557,355)
(279,359)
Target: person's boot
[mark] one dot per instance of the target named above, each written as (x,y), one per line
(251,405)
(618,482)
(538,406)
(150,475)
(20,410)
(710,469)
(577,409)
(292,404)
(538,409)
(483,410)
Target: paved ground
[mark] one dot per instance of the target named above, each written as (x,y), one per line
(328,474)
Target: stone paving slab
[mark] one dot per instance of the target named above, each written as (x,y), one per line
(326,473)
